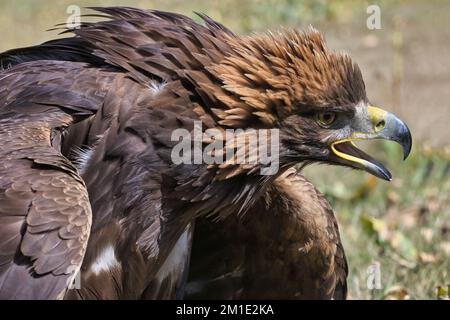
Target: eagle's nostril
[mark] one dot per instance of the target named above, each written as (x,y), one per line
(380,125)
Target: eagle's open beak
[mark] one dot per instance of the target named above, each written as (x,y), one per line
(372,123)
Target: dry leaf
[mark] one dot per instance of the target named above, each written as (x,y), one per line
(397,293)
(443,293)
(445,246)
(427,234)
(427,257)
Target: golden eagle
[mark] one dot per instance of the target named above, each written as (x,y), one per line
(88,185)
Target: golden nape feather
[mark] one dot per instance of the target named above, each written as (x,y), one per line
(270,76)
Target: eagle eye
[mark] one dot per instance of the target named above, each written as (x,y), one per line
(326,119)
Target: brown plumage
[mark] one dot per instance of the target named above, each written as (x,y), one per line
(93,114)
(287,246)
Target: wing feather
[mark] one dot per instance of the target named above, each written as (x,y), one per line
(45,214)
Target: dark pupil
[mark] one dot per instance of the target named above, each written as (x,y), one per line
(327,117)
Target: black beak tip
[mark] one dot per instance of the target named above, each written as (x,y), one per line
(379,170)
(386,175)
(406,142)
(407,146)
(397,130)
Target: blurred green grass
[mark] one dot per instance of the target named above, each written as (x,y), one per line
(404,225)
(35,16)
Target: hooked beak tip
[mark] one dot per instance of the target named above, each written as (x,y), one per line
(396,130)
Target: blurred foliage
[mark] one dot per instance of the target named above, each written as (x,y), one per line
(404,225)
(35,16)
(443,293)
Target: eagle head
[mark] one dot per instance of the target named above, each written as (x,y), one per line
(316,98)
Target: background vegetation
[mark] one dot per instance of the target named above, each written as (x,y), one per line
(403,225)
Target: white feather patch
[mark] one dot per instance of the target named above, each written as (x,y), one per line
(156,87)
(177,258)
(105,261)
(83,155)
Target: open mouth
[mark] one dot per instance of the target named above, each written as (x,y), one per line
(348,154)
(371,123)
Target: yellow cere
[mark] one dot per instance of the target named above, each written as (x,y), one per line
(377,117)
